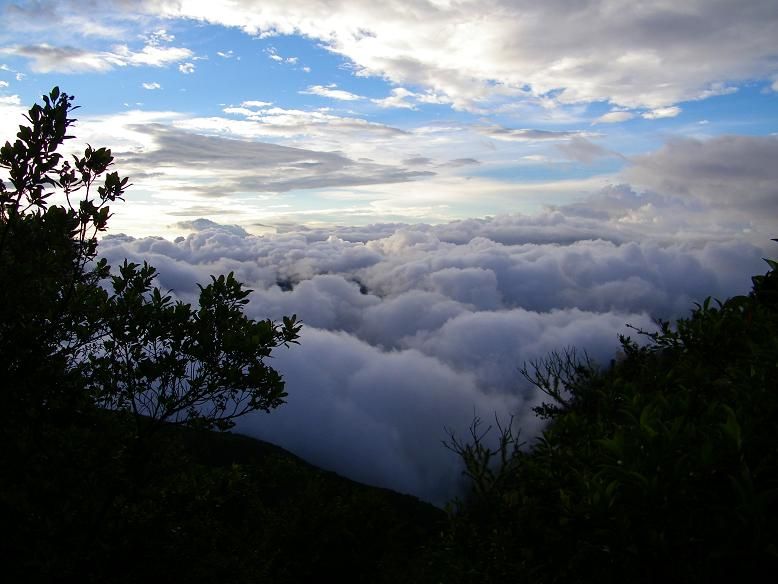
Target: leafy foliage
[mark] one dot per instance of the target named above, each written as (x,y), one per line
(134,349)
(97,364)
(661,468)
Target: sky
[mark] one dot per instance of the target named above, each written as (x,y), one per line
(441,189)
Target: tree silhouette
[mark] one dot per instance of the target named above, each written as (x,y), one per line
(67,342)
(660,468)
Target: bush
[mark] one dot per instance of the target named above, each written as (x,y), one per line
(95,365)
(661,468)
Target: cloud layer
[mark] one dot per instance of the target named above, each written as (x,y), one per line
(413,328)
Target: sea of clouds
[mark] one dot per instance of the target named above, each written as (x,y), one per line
(411,330)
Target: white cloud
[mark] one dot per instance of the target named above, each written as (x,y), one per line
(397,99)
(160,36)
(225,54)
(11,112)
(47,58)
(273,54)
(152,85)
(291,123)
(614,117)
(3,84)
(774,86)
(332,92)
(186,68)
(662,112)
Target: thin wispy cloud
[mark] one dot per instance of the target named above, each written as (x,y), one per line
(332,92)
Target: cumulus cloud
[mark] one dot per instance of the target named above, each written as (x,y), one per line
(410,328)
(186,68)
(151,85)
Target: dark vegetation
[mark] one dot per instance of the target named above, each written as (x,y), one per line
(661,468)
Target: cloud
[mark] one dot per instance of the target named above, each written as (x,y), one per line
(398,99)
(648,58)
(204,224)
(256,104)
(3,84)
(275,121)
(11,111)
(662,112)
(152,85)
(273,54)
(460,162)
(332,92)
(736,173)
(186,68)
(404,99)
(614,117)
(582,150)
(58,19)
(526,135)
(225,54)
(160,36)
(417,161)
(222,166)
(412,328)
(47,58)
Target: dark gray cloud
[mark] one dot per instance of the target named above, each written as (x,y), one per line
(418,161)
(738,173)
(231,165)
(457,162)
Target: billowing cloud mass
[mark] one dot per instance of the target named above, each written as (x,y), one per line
(413,328)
